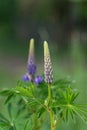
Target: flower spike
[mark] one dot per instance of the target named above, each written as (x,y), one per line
(48,71)
(31,51)
(31,64)
(30,75)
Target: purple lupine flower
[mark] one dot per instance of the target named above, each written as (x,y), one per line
(48,71)
(26,77)
(38,79)
(31,64)
(31,68)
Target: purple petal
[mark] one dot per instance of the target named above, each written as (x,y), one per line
(31,69)
(26,77)
(38,79)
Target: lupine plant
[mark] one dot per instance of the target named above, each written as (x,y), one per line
(39,100)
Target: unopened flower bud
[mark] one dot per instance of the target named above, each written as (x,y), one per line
(46,102)
(48,71)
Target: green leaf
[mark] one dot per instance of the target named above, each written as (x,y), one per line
(68,96)
(24,91)
(2,128)
(3,118)
(21,107)
(32,102)
(7,92)
(26,125)
(12,128)
(9,98)
(29,125)
(23,84)
(10,110)
(74,96)
(81,112)
(40,112)
(4,122)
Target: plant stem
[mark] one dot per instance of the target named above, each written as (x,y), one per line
(52,127)
(35,121)
(49,93)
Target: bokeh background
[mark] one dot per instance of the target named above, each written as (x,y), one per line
(63,23)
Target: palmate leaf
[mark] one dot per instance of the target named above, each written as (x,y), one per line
(81,112)
(60,87)
(24,91)
(21,107)
(9,93)
(4,122)
(29,125)
(32,103)
(12,128)
(40,112)
(4,128)
(9,98)
(26,125)
(3,118)
(67,106)
(68,96)
(24,88)
(70,114)
(1,128)
(74,111)
(10,110)
(5,92)
(23,84)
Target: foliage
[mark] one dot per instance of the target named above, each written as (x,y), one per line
(31,105)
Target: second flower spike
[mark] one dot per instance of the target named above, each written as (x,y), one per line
(48,71)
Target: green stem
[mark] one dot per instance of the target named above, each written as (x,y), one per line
(35,121)
(52,127)
(49,93)
(40,103)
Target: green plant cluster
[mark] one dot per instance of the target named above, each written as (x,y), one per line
(29,105)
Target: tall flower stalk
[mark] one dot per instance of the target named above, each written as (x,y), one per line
(31,67)
(29,76)
(48,72)
(31,61)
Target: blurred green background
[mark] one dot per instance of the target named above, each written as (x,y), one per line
(63,23)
